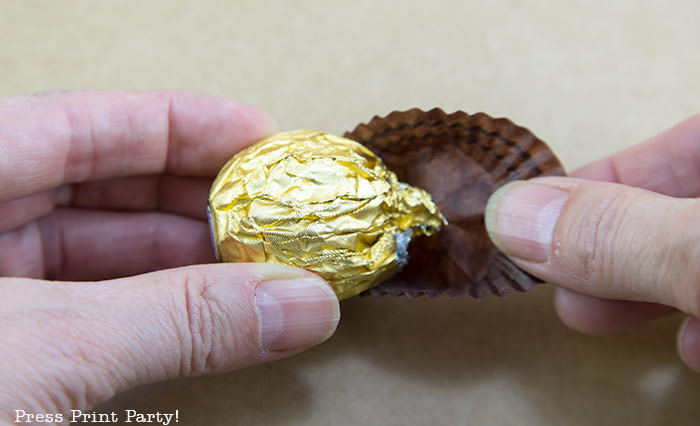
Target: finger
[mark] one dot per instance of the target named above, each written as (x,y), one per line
(91,245)
(102,339)
(689,343)
(662,157)
(601,239)
(20,211)
(592,315)
(185,196)
(668,163)
(20,251)
(78,136)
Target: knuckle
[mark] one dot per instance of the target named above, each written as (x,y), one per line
(628,245)
(597,236)
(686,259)
(197,329)
(216,324)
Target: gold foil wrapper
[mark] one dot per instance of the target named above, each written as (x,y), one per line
(320,202)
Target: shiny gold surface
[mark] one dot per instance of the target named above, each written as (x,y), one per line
(320,202)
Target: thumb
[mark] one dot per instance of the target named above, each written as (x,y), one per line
(106,337)
(601,239)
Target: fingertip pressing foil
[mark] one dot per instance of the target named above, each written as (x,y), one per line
(319,202)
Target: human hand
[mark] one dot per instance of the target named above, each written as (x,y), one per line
(101,185)
(624,250)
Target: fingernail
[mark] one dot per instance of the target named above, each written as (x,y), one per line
(520,218)
(295,314)
(689,343)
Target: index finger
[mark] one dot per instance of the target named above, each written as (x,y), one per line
(73,137)
(668,163)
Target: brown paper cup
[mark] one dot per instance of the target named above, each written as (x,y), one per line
(460,159)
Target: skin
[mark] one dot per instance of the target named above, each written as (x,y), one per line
(98,189)
(667,164)
(624,249)
(101,209)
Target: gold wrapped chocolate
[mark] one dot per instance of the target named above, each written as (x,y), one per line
(320,202)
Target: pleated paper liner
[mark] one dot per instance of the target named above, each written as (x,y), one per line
(460,159)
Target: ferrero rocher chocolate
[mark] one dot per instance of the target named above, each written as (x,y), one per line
(320,202)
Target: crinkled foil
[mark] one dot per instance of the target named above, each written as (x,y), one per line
(320,202)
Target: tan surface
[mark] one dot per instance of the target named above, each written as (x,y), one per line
(588,77)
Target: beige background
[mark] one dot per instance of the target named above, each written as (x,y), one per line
(588,77)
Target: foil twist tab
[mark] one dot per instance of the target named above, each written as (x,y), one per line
(320,202)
